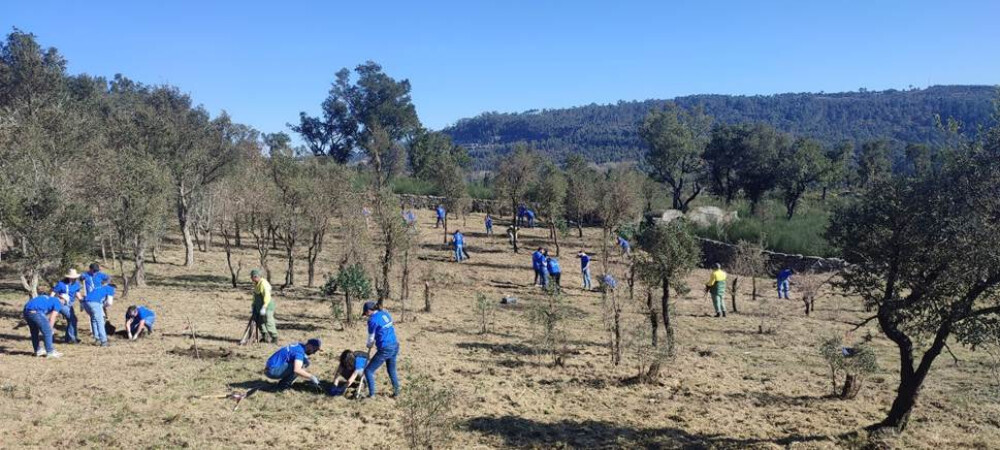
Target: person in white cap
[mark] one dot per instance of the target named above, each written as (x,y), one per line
(68,291)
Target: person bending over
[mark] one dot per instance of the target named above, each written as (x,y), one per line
(139,319)
(382,335)
(291,361)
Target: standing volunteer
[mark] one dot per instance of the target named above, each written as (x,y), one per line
(784,279)
(94,303)
(458,241)
(263,308)
(69,290)
(717,287)
(382,335)
(585,268)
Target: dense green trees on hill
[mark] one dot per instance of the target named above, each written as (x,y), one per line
(605,133)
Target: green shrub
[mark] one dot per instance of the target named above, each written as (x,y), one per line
(414,186)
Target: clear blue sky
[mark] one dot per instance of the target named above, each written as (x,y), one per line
(263,62)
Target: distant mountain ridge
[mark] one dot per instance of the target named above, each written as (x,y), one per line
(609,133)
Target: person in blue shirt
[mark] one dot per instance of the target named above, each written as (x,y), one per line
(531,218)
(441,215)
(585,268)
(138,319)
(555,273)
(94,303)
(69,290)
(94,278)
(40,313)
(291,361)
(521,213)
(543,268)
(784,278)
(458,241)
(536,264)
(489,225)
(409,217)
(382,335)
(625,247)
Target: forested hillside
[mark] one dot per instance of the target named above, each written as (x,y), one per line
(604,133)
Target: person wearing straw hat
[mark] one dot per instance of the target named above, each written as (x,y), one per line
(68,291)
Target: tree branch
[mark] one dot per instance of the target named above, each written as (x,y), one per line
(863,323)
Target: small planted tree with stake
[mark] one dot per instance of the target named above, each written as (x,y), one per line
(354,283)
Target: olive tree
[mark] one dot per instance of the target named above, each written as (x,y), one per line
(924,255)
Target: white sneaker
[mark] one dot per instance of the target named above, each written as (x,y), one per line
(40,353)
(54,354)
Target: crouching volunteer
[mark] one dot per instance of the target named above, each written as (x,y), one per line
(291,361)
(382,335)
(139,319)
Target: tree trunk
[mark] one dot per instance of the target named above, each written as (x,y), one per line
(182,218)
(555,236)
(823,195)
(668,328)
(446,229)
(654,321)
(290,269)
(233,274)
(197,240)
(753,286)
(852,385)
(139,274)
(238,237)
(513,212)
(30,283)
(348,310)
(315,248)
(906,398)
(579,226)
(404,285)
(732,293)
(427,296)
(805,301)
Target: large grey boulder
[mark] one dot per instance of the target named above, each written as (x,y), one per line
(707,216)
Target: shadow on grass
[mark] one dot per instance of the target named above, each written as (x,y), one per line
(298,326)
(271,387)
(517,349)
(20,337)
(769,398)
(7,351)
(521,432)
(207,337)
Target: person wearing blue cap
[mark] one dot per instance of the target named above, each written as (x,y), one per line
(94,278)
(585,269)
(291,361)
(138,319)
(40,313)
(382,335)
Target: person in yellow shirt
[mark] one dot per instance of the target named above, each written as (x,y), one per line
(717,287)
(263,308)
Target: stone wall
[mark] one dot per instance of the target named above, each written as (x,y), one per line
(720,252)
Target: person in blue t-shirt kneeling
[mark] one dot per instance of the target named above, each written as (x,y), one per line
(382,335)
(137,320)
(291,361)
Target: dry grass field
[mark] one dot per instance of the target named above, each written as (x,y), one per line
(728,387)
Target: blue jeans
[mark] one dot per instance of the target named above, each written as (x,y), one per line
(39,324)
(783,289)
(70,314)
(586,278)
(458,253)
(96,312)
(149,325)
(285,373)
(545,277)
(385,355)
